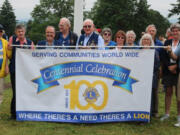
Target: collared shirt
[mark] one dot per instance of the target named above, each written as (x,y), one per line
(177,53)
(64,41)
(50,45)
(110,45)
(86,39)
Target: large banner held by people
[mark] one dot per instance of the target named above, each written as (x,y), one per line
(84,86)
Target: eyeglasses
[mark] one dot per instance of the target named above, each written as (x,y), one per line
(107,34)
(50,32)
(175,30)
(87,26)
(120,37)
(146,39)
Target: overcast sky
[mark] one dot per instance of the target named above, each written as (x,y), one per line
(23,8)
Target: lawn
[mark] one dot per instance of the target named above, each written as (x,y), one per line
(156,127)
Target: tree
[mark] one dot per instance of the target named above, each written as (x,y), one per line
(126,15)
(48,12)
(175,10)
(156,17)
(8,18)
(141,17)
(116,15)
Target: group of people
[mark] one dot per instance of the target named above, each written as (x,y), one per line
(166,61)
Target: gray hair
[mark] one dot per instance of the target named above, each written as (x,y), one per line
(175,25)
(106,29)
(88,20)
(49,26)
(151,25)
(66,20)
(146,35)
(20,26)
(132,33)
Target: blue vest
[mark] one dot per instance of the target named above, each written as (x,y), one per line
(93,40)
(12,60)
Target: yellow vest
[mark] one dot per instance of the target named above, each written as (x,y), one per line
(5,54)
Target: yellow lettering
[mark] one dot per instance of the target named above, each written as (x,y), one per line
(74,94)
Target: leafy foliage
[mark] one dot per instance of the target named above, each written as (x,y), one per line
(127,15)
(8,18)
(175,10)
(48,12)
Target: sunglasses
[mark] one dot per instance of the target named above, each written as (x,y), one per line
(1,31)
(87,26)
(107,34)
(120,37)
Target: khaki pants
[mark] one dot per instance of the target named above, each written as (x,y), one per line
(178,88)
(1,85)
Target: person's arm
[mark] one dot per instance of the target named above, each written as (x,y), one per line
(173,68)
(9,48)
(7,57)
(173,55)
(10,43)
(32,45)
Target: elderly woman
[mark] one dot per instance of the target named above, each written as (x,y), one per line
(130,38)
(147,41)
(170,71)
(107,36)
(120,39)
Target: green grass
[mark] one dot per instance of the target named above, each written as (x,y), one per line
(12,127)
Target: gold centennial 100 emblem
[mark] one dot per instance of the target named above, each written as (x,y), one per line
(91,94)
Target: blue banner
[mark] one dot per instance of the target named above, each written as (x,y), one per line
(50,75)
(83,117)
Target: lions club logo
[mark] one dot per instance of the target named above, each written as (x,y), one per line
(91,94)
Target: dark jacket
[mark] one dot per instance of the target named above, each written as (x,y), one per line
(156,70)
(43,43)
(93,40)
(73,38)
(157,42)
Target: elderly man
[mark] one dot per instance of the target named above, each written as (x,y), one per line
(19,40)
(90,38)
(151,29)
(65,36)
(50,34)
